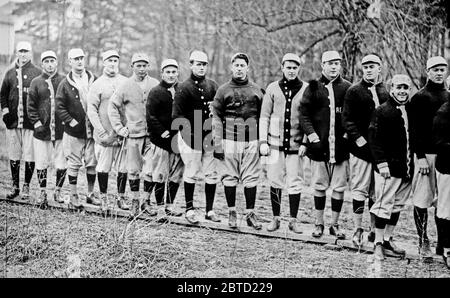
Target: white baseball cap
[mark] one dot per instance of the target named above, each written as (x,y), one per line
(291,57)
(401,79)
(48,54)
(75,53)
(169,62)
(198,56)
(330,55)
(23,45)
(435,61)
(140,57)
(110,53)
(371,59)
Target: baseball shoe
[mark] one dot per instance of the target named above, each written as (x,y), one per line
(211,215)
(318,231)
(294,226)
(191,217)
(57,196)
(75,202)
(121,202)
(93,200)
(358,237)
(392,247)
(274,224)
(252,221)
(161,215)
(232,219)
(371,236)
(378,251)
(172,212)
(147,208)
(14,193)
(25,191)
(335,231)
(42,201)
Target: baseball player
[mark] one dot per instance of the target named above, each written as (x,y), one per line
(320,118)
(107,144)
(282,139)
(78,142)
(236,109)
(48,128)
(191,110)
(441,135)
(19,130)
(131,97)
(164,164)
(423,108)
(390,146)
(361,99)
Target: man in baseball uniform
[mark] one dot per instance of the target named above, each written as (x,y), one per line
(48,128)
(282,139)
(320,117)
(164,164)
(78,142)
(423,108)
(389,142)
(131,97)
(361,99)
(107,142)
(191,112)
(236,109)
(19,130)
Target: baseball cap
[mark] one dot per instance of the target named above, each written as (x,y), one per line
(48,54)
(168,62)
(24,46)
(371,59)
(198,56)
(435,61)
(110,53)
(74,53)
(401,79)
(140,57)
(240,56)
(330,55)
(291,57)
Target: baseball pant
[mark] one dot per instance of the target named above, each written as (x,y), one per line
(241,163)
(362,182)
(47,152)
(162,165)
(78,152)
(109,156)
(443,202)
(424,187)
(390,195)
(20,144)
(285,171)
(325,175)
(198,164)
(137,157)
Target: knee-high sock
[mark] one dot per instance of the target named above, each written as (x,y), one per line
(15,172)
(210,192)
(250,197)
(380,226)
(73,184)
(121,182)
(230,196)
(134,184)
(60,177)
(189,195)
(103,182)
(358,210)
(392,222)
(29,169)
(171,192)
(319,204)
(440,231)
(294,203)
(42,178)
(421,220)
(275,199)
(159,193)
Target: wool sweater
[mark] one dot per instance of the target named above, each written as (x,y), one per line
(97,108)
(71,106)
(359,106)
(315,119)
(41,107)
(159,114)
(423,108)
(192,103)
(14,101)
(441,137)
(131,99)
(236,109)
(279,124)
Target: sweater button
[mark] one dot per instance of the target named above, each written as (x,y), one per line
(202,97)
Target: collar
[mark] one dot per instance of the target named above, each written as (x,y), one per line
(291,84)
(326,81)
(197,79)
(434,87)
(46,76)
(23,66)
(240,82)
(166,85)
(395,102)
(72,82)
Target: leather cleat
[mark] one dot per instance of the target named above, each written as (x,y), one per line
(391,247)
(25,192)
(42,201)
(57,197)
(274,224)
(357,238)
(161,216)
(75,202)
(191,217)
(232,219)
(318,231)
(294,226)
(335,231)
(252,221)
(147,208)
(121,202)
(378,252)
(371,236)
(172,212)
(14,193)
(92,199)
(211,215)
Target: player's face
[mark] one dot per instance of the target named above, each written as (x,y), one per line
(437,74)
(112,64)
(401,92)
(199,68)
(77,63)
(170,74)
(239,69)
(140,69)
(371,71)
(332,68)
(49,65)
(23,56)
(290,70)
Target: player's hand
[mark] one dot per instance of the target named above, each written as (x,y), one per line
(424,168)
(302,150)
(7,119)
(264,149)
(165,134)
(385,173)
(124,132)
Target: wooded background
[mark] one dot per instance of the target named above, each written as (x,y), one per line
(404,33)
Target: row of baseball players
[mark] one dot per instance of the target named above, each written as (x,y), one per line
(168,132)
